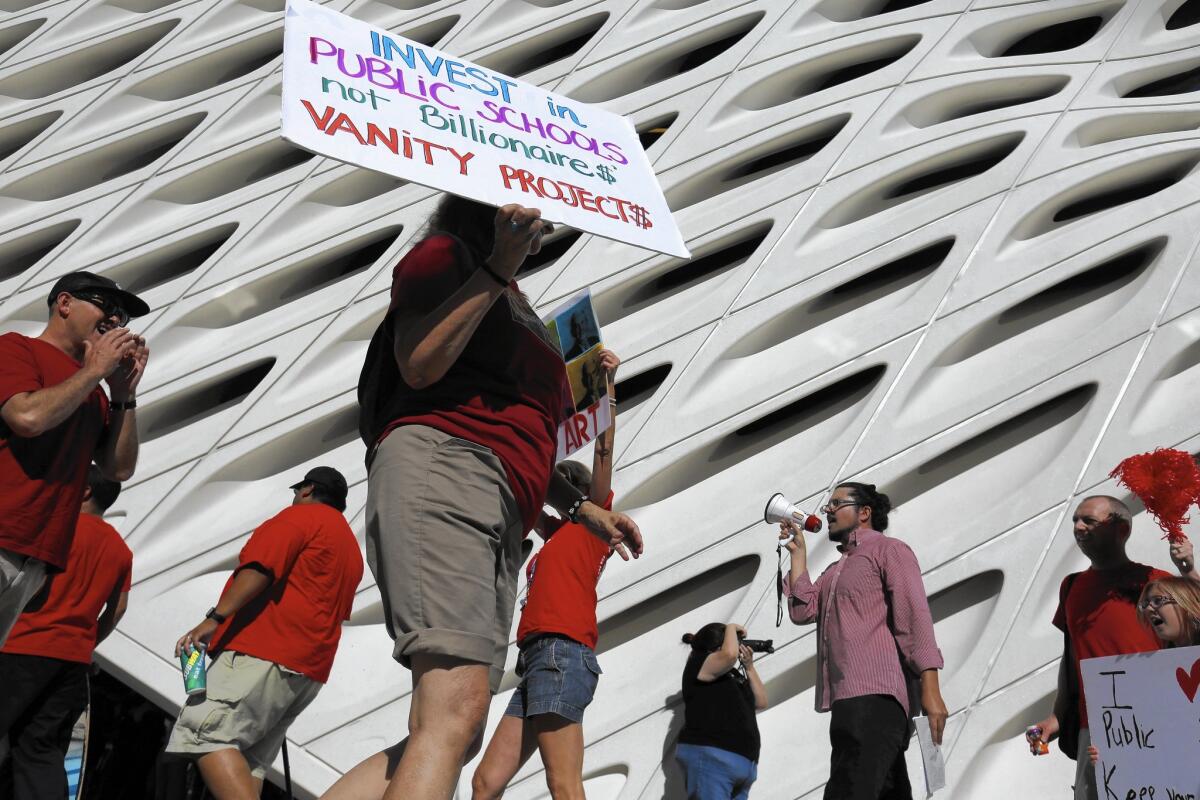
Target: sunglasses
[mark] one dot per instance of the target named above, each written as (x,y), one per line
(107,305)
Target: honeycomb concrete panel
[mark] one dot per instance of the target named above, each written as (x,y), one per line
(945,246)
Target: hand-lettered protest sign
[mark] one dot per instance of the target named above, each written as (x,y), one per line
(574,325)
(362,95)
(1144,718)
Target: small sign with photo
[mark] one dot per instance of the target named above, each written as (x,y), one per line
(575,327)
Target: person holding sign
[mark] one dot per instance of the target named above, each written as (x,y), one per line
(1098,616)
(875,636)
(1171,608)
(461,396)
(557,636)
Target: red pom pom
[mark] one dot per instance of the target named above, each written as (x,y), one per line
(1167,482)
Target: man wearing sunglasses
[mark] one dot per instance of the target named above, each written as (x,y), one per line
(55,420)
(1097,613)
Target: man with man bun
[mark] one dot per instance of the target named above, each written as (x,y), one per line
(874,638)
(55,420)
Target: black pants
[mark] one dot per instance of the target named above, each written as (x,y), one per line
(869,735)
(40,700)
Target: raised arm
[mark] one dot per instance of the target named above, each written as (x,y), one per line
(721,661)
(797,586)
(118,451)
(756,685)
(1181,555)
(426,345)
(602,455)
(32,413)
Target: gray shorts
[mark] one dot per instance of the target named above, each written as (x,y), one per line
(444,543)
(20,579)
(248,706)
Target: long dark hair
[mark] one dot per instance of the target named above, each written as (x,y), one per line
(706,640)
(472,222)
(879,503)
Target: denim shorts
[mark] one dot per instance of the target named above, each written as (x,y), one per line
(559,677)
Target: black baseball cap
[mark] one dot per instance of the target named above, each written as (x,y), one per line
(328,479)
(75,283)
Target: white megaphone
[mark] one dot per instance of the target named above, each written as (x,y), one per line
(779,508)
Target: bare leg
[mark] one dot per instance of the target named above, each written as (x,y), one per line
(227,775)
(511,746)
(369,779)
(445,723)
(561,744)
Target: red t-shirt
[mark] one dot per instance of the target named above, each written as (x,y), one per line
(507,391)
(42,478)
(1101,616)
(560,580)
(296,622)
(65,625)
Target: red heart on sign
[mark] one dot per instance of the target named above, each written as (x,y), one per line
(1189,682)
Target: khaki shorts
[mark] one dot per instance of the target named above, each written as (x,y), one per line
(444,543)
(248,707)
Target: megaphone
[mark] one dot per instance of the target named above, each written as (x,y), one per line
(779,508)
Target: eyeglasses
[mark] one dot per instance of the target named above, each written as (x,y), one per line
(833,505)
(1155,602)
(107,305)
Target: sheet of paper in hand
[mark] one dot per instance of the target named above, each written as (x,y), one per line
(368,97)
(574,325)
(1144,718)
(931,757)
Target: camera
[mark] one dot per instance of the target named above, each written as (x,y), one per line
(760,645)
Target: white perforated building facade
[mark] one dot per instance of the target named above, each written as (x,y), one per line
(947,246)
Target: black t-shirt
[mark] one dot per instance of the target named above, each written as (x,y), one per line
(720,713)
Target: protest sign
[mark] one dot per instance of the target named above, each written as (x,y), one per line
(368,97)
(1144,718)
(573,324)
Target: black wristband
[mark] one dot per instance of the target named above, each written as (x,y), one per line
(128,405)
(491,273)
(214,616)
(573,511)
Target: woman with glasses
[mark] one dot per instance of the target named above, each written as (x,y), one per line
(1171,608)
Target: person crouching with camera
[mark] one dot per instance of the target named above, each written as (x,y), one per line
(718,746)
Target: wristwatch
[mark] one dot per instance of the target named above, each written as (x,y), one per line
(214,616)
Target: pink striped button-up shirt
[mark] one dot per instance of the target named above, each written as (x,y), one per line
(859,651)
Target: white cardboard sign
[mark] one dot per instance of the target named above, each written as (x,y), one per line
(1144,718)
(368,97)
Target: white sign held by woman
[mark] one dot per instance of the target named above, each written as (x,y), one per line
(1144,718)
(368,97)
